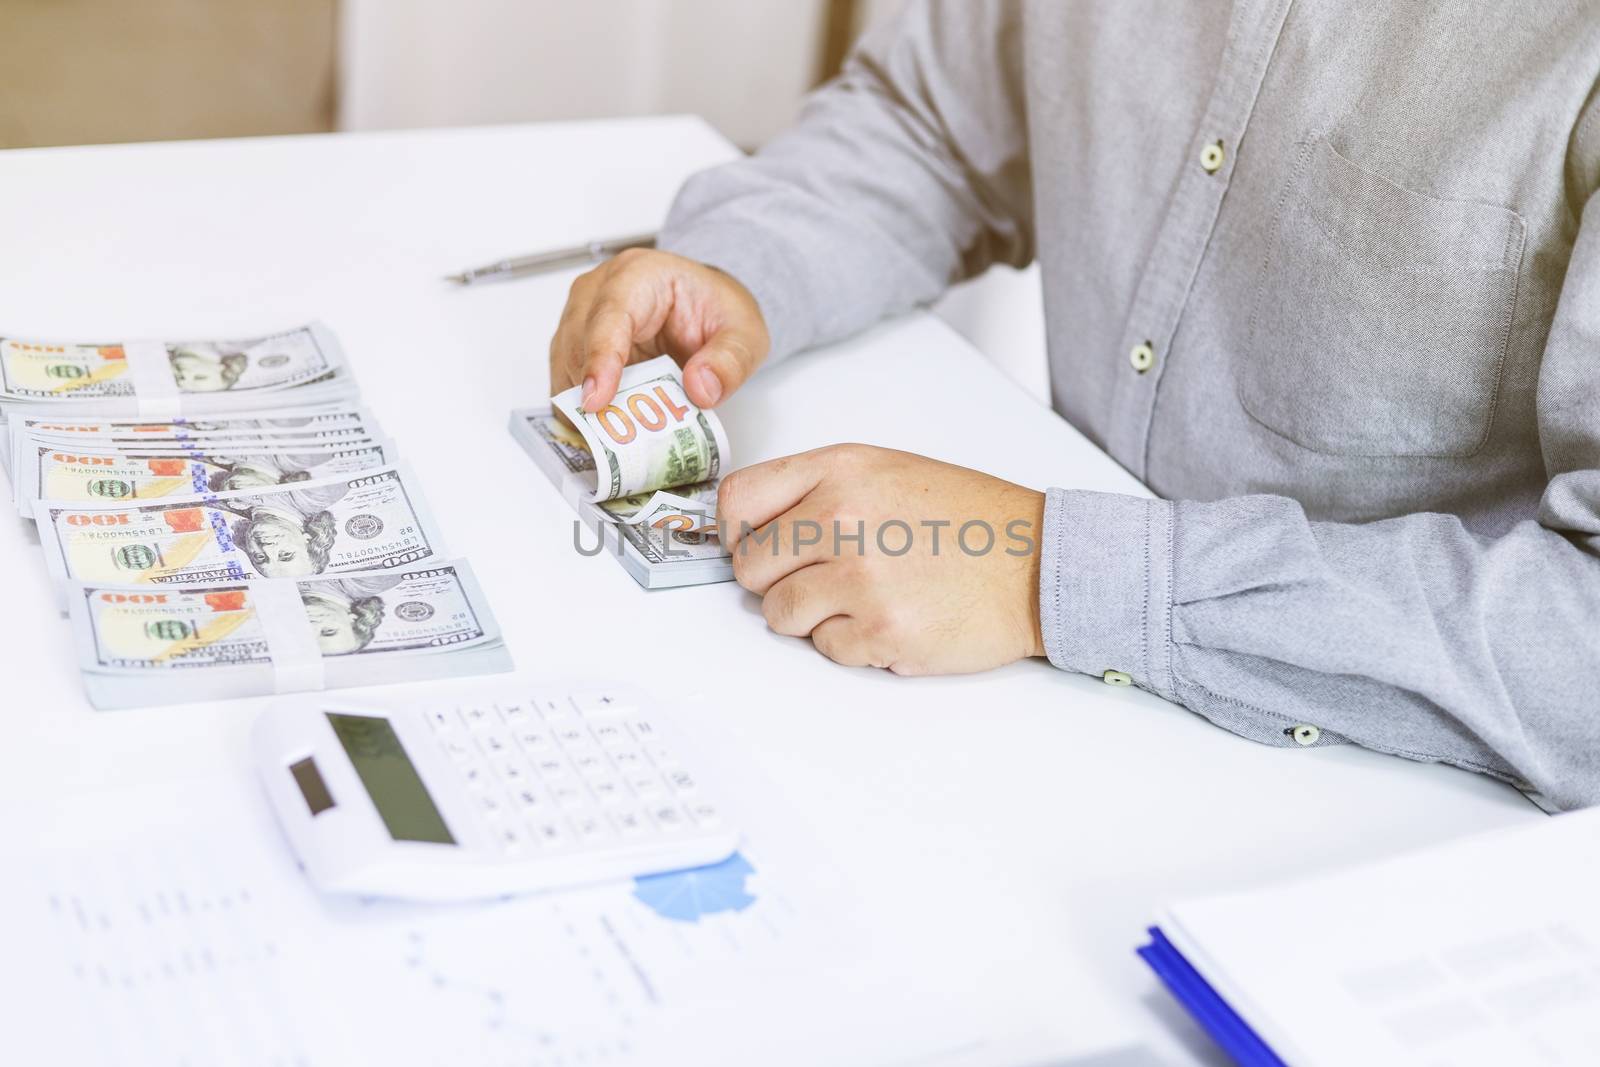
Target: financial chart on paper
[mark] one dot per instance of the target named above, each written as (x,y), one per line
(206,945)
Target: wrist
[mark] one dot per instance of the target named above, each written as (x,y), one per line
(1033,505)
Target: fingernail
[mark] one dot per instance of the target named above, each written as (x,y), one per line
(588,393)
(710,385)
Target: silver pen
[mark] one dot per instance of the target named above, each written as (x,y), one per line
(539,262)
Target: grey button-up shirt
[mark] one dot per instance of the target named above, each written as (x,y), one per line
(1318,273)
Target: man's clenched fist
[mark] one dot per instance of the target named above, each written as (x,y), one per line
(889,559)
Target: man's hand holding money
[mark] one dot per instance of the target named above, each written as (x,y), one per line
(644,304)
(882,558)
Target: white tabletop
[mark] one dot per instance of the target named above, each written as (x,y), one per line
(1034,820)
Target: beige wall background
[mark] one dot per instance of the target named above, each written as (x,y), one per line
(82,71)
(743,65)
(92,71)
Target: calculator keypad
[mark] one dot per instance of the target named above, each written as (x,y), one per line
(559,774)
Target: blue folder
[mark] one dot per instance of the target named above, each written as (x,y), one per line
(1219,1020)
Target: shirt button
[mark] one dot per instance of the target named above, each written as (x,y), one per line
(1143,356)
(1116,678)
(1305,733)
(1211,157)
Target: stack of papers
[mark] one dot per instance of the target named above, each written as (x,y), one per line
(1483,951)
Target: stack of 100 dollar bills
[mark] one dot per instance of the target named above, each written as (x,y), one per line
(224,519)
(641,473)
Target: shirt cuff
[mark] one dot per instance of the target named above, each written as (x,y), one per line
(1105,586)
(757,259)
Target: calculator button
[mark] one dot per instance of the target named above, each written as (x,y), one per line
(705,815)
(628,759)
(490,804)
(534,742)
(662,756)
(512,838)
(681,782)
(596,703)
(591,829)
(480,718)
(549,833)
(551,768)
(647,786)
(551,708)
(573,735)
(611,735)
(643,729)
(460,752)
(511,771)
(608,791)
(475,777)
(443,720)
(526,800)
(495,742)
(668,817)
(591,764)
(630,822)
(516,714)
(569,796)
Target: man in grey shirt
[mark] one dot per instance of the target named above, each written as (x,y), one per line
(1318,273)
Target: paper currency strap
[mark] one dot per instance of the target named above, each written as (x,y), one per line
(296,658)
(155,391)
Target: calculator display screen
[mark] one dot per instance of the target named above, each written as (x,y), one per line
(391,778)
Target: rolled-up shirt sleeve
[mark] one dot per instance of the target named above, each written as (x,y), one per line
(1412,635)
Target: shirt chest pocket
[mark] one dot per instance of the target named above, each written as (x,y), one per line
(1381,318)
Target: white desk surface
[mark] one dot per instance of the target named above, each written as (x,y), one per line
(1037,819)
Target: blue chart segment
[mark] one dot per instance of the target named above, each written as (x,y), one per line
(684,896)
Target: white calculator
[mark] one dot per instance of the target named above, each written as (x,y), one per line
(455,802)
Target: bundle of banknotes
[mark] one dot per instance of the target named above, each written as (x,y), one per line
(212,641)
(228,547)
(641,473)
(154,378)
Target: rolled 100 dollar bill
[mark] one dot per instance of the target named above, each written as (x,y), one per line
(651,436)
(658,558)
